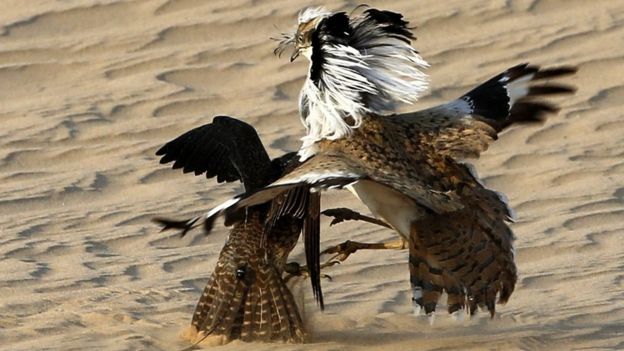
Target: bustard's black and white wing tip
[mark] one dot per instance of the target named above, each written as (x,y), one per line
(516,95)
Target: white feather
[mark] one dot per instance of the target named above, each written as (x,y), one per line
(416,309)
(431,318)
(394,66)
(313,178)
(517,89)
(312,13)
(371,75)
(338,95)
(222,207)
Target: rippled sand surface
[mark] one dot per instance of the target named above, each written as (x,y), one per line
(90,89)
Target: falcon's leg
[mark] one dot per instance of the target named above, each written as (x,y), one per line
(344,250)
(344,214)
(294,269)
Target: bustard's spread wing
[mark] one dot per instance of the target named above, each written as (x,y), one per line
(468,253)
(465,127)
(332,171)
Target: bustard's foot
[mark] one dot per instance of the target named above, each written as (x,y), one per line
(294,269)
(344,214)
(344,250)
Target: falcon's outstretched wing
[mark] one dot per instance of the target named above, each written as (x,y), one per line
(465,127)
(227,148)
(231,150)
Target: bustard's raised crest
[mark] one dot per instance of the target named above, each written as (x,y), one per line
(311,13)
(359,64)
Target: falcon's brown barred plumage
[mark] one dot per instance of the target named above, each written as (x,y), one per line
(246,297)
(409,169)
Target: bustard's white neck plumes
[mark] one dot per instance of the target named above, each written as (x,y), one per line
(359,64)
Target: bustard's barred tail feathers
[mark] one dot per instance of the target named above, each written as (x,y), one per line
(514,96)
(250,305)
(468,254)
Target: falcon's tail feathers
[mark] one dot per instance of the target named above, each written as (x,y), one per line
(514,95)
(250,304)
(184,225)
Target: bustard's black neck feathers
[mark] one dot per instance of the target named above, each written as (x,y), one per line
(390,22)
(333,30)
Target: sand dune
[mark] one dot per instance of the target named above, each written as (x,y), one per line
(90,89)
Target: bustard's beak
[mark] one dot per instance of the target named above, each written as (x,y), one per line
(295,55)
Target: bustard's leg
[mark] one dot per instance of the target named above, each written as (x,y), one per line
(344,214)
(344,250)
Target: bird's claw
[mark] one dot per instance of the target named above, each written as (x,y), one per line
(336,221)
(340,215)
(294,269)
(342,251)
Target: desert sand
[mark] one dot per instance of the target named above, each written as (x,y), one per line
(90,89)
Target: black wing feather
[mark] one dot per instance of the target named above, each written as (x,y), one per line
(227,148)
(312,238)
(391,22)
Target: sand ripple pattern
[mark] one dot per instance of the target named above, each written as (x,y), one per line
(90,89)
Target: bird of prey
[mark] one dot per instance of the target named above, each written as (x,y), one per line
(410,169)
(246,297)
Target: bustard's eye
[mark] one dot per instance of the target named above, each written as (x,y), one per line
(300,39)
